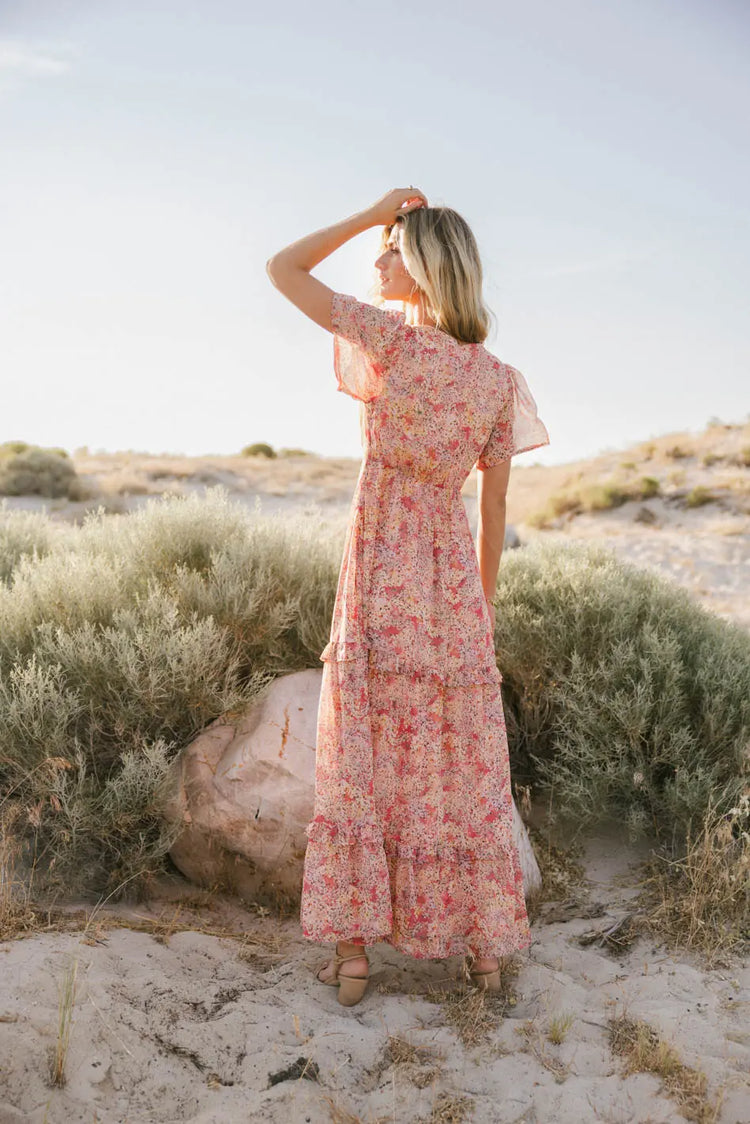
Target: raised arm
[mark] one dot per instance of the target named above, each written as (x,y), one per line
(289,269)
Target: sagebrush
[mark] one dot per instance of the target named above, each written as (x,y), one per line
(122,638)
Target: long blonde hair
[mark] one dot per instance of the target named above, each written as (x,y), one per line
(440,253)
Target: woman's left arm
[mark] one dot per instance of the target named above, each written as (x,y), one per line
(289,269)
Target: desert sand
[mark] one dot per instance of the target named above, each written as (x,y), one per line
(172,1023)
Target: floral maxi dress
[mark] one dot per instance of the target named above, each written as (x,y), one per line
(411,841)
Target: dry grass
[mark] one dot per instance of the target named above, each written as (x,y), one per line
(400,1052)
(542,496)
(65,1021)
(469,1011)
(558,1027)
(644,1051)
(337,1114)
(562,871)
(22,916)
(296,472)
(415,1063)
(701,901)
(535,1039)
(597,495)
(18,915)
(449,1108)
(475,1013)
(698,496)
(677,452)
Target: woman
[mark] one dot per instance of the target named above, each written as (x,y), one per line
(411,839)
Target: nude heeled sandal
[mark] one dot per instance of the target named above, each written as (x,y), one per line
(485,981)
(351,988)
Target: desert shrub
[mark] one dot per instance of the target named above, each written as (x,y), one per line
(710,459)
(40,472)
(625,697)
(743,457)
(602,497)
(677,452)
(22,533)
(123,641)
(122,638)
(294,452)
(7,448)
(698,496)
(558,504)
(598,496)
(260,449)
(701,900)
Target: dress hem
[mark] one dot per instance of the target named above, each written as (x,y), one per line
(374,894)
(416,948)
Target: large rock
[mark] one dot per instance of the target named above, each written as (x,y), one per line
(244,792)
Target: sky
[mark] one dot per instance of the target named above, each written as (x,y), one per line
(154,155)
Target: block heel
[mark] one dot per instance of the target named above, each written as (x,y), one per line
(485,981)
(351,988)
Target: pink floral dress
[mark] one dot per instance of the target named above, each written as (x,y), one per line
(410,841)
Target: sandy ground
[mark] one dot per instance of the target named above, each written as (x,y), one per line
(200,1028)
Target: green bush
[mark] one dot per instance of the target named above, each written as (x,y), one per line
(600,496)
(624,696)
(260,449)
(123,640)
(698,496)
(292,451)
(22,533)
(41,472)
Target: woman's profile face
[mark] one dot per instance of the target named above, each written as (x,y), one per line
(396,283)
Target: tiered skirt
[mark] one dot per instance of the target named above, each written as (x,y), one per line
(411,840)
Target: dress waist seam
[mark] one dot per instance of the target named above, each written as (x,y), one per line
(403,470)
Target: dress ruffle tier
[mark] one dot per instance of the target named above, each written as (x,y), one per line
(398,851)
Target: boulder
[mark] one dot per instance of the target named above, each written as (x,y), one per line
(244,793)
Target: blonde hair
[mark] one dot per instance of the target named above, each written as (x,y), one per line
(440,252)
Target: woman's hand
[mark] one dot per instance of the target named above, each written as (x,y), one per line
(491,611)
(397,202)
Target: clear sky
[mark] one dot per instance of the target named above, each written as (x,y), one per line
(153,155)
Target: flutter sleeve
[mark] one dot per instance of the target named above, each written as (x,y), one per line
(518,426)
(365,342)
